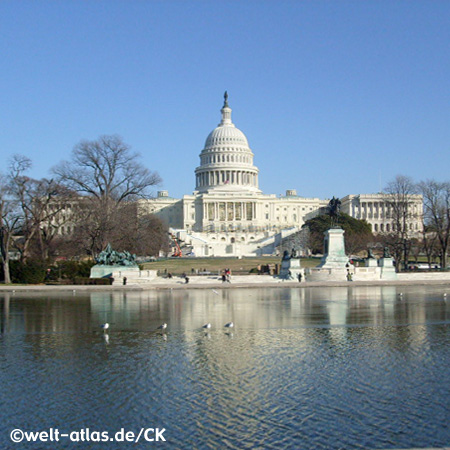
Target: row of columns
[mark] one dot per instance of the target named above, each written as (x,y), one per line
(376,210)
(218,177)
(229,211)
(221,158)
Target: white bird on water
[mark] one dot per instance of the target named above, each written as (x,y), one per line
(105,326)
(215,292)
(162,326)
(207,326)
(229,325)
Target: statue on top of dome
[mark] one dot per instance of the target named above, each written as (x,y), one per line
(225,96)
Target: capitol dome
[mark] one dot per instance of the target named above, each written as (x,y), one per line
(226,162)
(226,134)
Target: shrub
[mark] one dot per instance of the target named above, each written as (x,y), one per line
(29,272)
(69,270)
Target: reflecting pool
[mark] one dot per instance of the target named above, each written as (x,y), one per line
(304,368)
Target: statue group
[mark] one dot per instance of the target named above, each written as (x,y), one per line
(110,257)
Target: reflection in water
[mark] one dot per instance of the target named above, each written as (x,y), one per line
(350,367)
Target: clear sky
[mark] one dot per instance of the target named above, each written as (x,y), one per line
(335,97)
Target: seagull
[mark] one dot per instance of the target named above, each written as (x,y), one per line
(229,325)
(207,326)
(215,292)
(105,326)
(162,326)
(445,294)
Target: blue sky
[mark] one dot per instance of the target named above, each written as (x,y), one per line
(335,97)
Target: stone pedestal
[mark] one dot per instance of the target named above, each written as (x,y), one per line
(333,264)
(290,268)
(104,271)
(387,269)
(334,257)
(371,262)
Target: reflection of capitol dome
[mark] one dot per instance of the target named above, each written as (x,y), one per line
(226,162)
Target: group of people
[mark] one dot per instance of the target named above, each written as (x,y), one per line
(226,276)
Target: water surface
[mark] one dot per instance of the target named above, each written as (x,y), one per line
(310,368)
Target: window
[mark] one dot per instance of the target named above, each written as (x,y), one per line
(222,211)
(249,208)
(237,211)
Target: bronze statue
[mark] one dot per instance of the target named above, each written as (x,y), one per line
(334,211)
(110,257)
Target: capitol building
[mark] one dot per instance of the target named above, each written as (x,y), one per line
(228,215)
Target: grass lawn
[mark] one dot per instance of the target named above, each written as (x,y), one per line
(215,265)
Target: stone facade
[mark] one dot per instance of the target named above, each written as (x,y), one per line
(228,215)
(375,209)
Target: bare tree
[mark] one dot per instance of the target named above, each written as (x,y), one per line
(429,244)
(106,169)
(400,196)
(140,233)
(436,199)
(9,224)
(39,202)
(107,176)
(11,214)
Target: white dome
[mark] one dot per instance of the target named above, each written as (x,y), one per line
(226,162)
(225,135)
